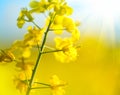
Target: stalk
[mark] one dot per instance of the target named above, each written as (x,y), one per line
(39,57)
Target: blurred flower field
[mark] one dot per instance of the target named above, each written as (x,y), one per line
(96,72)
(67,50)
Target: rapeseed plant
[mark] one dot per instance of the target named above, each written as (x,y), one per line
(58,21)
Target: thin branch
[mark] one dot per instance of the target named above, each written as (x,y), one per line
(39,56)
(51,51)
(56,29)
(40,87)
(49,47)
(42,83)
(36,24)
(37,46)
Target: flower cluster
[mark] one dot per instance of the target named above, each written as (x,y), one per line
(59,22)
(57,85)
(22,17)
(67,45)
(68,53)
(6,56)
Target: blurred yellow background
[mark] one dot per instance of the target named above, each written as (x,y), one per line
(97,68)
(95,72)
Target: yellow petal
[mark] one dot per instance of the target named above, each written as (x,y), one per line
(26,53)
(34,4)
(20,23)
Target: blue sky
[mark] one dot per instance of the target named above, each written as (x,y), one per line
(9,13)
(91,17)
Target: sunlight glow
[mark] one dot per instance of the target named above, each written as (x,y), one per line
(105,8)
(100,18)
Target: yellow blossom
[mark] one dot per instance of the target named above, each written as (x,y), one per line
(58,29)
(58,19)
(25,75)
(53,1)
(25,66)
(69,24)
(6,56)
(57,24)
(21,85)
(26,53)
(68,53)
(59,6)
(20,23)
(57,85)
(62,8)
(75,35)
(17,44)
(39,7)
(24,48)
(31,39)
(24,15)
(34,36)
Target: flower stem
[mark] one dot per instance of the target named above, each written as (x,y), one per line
(40,87)
(39,57)
(56,29)
(42,83)
(51,51)
(36,25)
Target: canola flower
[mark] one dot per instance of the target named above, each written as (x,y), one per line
(58,21)
(22,17)
(57,85)
(21,85)
(68,53)
(6,56)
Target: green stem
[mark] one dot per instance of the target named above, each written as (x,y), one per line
(39,46)
(39,57)
(36,25)
(49,47)
(42,83)
(39,87)
(51,51)
(56,29)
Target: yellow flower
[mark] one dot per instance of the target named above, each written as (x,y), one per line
(68,53)
(53,1)
(57,85)
(21,85)
(69,24)
(25,66)
(75,35)
(57,25)
(62,8)
(20,23)
(39,7)
(33,37)
(58,19)
(16,44)
(24,15)
(19,44)
(25,49)
(6,56)
(57,29)
(26,53)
